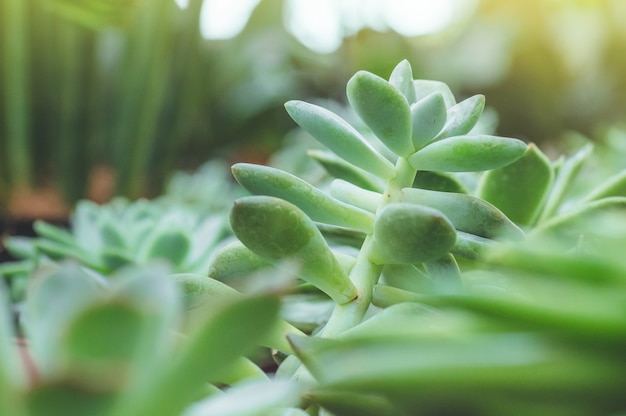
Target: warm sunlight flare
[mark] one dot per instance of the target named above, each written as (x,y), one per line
(321,25)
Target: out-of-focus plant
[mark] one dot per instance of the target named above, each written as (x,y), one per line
(182,227)
(122,347)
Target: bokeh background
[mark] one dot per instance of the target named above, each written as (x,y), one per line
(110,97)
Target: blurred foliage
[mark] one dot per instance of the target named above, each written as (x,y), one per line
(133,85)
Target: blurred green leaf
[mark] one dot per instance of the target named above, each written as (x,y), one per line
(521,188)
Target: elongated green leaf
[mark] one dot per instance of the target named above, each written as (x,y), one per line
(566,171)
(251,399)
(462,117)
(198,290)
(519,189)
(428,116)
(438,181)
(265,180)
(54,297)
(582,220)
(277,230)
(170,245)
(349,403)
(383,109)
(340,137)
(409,233)
(458,372)
(12,377)
(233,260)
(232,330)
(402,78)
(91,348)
(54,233)
(425,87)
(468,154)
(65,397)
(614,186)
(353,195)
(407,277)
(467,213)
(341,169)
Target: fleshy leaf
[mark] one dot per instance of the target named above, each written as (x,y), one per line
(383,109)
(428,116)
(251,399)
(265,180)
(462,117)
(614,186)
(232,329)
(468,154)
(438,181)
(233,260)
(339,136)
(424,87)
(402,78)
(277,230)
(519,189)
(466,212)
(408,234)
(54,297)
(341,169)
(170,245)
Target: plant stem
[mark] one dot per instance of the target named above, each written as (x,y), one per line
(365,274)
(17,99)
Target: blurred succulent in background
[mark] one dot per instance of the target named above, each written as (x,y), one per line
(182,227)
(123,347)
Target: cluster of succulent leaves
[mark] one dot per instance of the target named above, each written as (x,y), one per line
(182,227)
(443,271)
(439,306)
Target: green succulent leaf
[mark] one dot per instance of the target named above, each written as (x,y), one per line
(341,169)
(252,398)
(425,87)
(67,397)
(467,213)
(353,195)
(439,372)
(198,289)
(407,233)
(462,117)
(428,116)
(265,180)
(277,230)
(93,348)
(468,154)
(55,296)
(233,260)
(383,109)
(402,78)
(586,219)
(614,186)
(54,233)
(340,137)
(232,329)
(566,172)
(519,189)
(438,181)
(170,245)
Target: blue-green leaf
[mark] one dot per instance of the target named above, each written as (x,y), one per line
(383,109)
